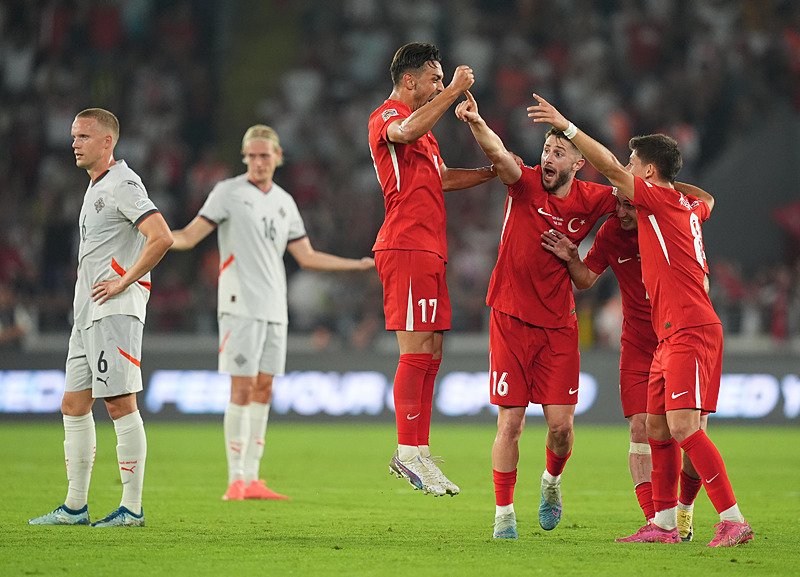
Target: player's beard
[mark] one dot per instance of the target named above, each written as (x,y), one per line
(561,179)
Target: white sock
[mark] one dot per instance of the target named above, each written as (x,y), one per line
(424,450)
(237,431)
(732,514)
(259,417)
(550,478)
(667,519)
(80,444)
(503,509)
(131,455)
(406,452)
(682,507)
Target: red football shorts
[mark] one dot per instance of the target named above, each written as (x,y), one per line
(633,391)
(415,296)
(634,373)
(686,371)
(530,364)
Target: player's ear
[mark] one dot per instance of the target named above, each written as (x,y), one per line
(579,164)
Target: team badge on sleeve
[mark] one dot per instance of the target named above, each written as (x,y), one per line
(142,202)
(387,114)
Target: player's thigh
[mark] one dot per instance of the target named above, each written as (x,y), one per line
(113,347)
(415,296)
(509,361)
(692,367)
(556,367)
(633,391)
(241,344)
(273,353)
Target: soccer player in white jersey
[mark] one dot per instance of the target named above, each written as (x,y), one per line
(256,222)
(122,237)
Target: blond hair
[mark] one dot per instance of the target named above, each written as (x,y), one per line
(263,132)
(105,119)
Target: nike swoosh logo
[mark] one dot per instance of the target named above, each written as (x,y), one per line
(571,392)
(410,418)
(542,212)
(674,396)
(621,260)
(712,478)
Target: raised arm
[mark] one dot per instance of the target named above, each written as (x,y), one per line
(188,237)
(598,155)
(423,119)
(560,245)
(311,259)
(504,162)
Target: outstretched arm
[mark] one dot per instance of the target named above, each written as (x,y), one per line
(560,245)
(598,155)
(311,259)
(505,163)
(188,237)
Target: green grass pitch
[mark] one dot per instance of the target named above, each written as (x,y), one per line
(348,516)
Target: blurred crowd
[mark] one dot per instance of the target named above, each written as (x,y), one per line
(704,71)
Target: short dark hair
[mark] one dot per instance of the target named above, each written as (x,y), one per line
(560,135)
(412,57)
(661,151)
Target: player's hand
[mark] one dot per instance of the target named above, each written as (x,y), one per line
(106,289)
(367,263)
(546,112)
(560,245)
(517,159)
(467,110)
(463,79)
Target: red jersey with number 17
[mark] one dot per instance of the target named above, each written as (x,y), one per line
(411,180)
(673,257)
(619,249)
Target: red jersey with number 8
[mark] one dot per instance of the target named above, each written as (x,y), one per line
(673,257)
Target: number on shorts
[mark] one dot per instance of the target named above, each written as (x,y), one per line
(102,364)
(499,387)
(423,304)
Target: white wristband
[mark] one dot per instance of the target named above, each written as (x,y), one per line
(571,131)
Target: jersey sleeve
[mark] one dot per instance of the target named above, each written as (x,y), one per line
(133,202)
(297,229)
(597,258)
(523,187)
(215,208)
(388,116)
(703,210)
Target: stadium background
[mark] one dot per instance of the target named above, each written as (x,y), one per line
(186,78)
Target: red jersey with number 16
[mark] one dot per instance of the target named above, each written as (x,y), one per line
(673,257)
(529,282)
(411,180)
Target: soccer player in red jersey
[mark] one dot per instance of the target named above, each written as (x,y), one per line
(685,374)
(533,333)
(411,247)
(616,245)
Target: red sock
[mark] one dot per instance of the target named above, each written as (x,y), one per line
(426,406)
(408,395)
(644,493)
(711,468)
(504,487)
(666,457)
(555,464)
(690,487)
